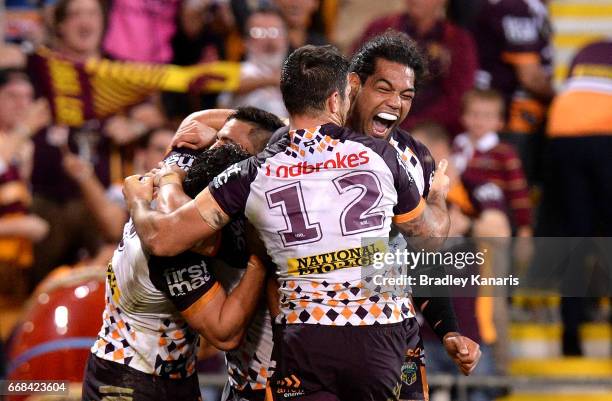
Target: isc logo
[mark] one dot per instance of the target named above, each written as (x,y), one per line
(182,160)
(187,279)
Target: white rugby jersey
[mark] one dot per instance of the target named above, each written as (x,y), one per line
(142,326)
(313,197)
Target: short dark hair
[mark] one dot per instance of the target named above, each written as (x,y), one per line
(209,164)
(391,46)
(487,95)
(310,75)
(262,119)
(8,75)
(265,124)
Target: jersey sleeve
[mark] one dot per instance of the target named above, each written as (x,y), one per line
(184,278)
(410,204)
(231,188)
(233,247)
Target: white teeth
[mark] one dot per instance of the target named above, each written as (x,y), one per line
(387,116)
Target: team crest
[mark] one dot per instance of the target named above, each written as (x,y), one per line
(409,373)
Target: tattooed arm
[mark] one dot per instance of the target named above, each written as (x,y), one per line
(430,229)
(172,233)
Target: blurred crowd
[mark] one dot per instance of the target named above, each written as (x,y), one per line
(526,159)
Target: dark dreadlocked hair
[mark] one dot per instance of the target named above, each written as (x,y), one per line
(211,163)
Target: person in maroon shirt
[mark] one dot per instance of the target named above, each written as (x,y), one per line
(451,57)
(483,317)
(78,27)
(20,117)
(515,56)
(491,169)
(492,173)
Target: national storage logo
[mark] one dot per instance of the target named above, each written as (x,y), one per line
(327,262)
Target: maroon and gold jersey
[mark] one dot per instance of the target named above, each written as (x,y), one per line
(510,33)
(584,105)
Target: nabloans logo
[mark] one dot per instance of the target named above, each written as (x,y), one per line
(187,279)
(326,262)
(351,160)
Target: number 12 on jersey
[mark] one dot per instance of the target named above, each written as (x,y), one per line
(357,217)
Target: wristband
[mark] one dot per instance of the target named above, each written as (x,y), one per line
(439,314)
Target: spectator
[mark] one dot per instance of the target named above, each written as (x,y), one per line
(200,37)
(106,205)
(492,173)
(513,39)
(10,54)
(481,216)
(26,20)
(78,27)
(153,20)
(482,317)
(20,117)
(266,45)
(490,169)
(298,15)
(451,55)
(578,186)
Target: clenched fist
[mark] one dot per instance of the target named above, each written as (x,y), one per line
(138,187)
(463,351)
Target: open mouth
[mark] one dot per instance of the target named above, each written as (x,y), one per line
(382,122)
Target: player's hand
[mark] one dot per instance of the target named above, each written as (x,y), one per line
(463,351)
(137,187)
(193,134)
(440,183)
(168,174)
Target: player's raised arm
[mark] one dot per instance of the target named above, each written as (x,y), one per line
(199,130)
(175,232)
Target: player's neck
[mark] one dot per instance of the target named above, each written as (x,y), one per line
(309,121)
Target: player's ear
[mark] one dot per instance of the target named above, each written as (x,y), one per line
(354,82)
(334,103)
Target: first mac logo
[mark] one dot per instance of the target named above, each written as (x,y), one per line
(187,279)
